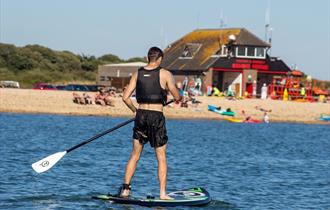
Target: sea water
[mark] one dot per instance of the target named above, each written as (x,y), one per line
(243,166)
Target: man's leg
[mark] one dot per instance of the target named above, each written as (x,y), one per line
(162,171)
(131,164)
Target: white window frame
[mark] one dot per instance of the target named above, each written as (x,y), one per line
(264,52)
(224,51)
(221,54)
(246,56)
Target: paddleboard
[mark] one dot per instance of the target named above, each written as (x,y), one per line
(197,196)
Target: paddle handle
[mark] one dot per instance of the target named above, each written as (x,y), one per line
(106,132)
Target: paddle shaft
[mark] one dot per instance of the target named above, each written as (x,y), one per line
(100,135)
(105,132)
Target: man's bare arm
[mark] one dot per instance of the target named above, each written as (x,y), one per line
(172,87)
(128,92)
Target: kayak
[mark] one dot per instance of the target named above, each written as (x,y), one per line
(236,120)
(325,117)
(197,196)
(253,121)
(222,112)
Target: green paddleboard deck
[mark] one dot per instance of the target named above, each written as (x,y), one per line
(189,197)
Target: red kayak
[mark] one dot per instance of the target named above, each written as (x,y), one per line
(253,121)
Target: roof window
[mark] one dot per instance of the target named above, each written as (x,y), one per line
(190,50)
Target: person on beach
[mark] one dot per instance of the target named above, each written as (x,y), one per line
(88,99)
(264,90)
(266,118)
(100,98)
(262,109)
(151,84)
(247,118)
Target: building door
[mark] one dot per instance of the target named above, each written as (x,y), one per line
(249,88)
(237,89)
(217,80)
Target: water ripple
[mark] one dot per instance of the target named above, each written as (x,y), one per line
(244,166)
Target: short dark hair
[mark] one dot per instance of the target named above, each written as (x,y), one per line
(154,53)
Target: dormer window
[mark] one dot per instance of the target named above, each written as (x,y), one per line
(186,53)
(251,52)
(190,50)
(260,52)
(241,51)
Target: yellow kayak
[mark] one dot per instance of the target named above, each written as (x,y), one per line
(234,120)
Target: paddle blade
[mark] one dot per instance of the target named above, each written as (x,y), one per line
(48,162)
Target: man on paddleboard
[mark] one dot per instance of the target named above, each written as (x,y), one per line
(151,84)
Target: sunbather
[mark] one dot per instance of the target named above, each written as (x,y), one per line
(78,99)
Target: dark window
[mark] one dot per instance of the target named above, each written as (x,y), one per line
(190,50)
(250,51)
(241,51)
(186,52)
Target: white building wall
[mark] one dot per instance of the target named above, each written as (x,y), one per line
(231,79)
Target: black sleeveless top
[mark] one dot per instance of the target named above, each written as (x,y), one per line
(148,89)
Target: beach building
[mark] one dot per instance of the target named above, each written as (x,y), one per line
(230,59)
(117,75)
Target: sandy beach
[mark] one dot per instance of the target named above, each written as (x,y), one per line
(60,102)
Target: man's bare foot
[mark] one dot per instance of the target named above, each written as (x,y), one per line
(124,193)
(165,197)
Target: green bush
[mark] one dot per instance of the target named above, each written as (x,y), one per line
(34,63)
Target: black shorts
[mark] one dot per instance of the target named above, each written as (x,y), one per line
(149,126)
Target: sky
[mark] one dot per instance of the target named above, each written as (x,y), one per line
(300,35)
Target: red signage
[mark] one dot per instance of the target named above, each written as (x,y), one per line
(241,66)
(259,66)
(250,64)
(243,61)
(250,61)
(259,61)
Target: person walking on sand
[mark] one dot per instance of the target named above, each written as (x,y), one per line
(151,84)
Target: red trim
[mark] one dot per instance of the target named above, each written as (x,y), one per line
(242,92)
(243,61)
(259,61)
(260,66)
(272,72)
(250,61)
(228,70)
(241,70)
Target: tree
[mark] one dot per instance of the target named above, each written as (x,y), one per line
(137,59)
(110,58)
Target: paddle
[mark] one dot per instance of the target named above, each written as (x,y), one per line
(49,161)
